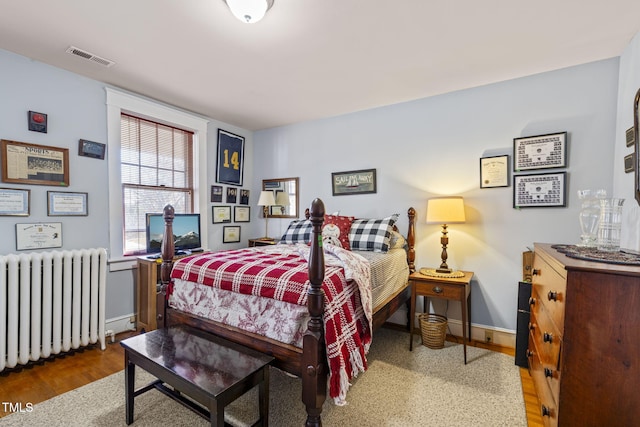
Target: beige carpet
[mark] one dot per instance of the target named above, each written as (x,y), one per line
(421,388)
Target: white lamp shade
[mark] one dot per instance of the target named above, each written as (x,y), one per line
(282,199)
(266,199)
(249,11)
(445,210)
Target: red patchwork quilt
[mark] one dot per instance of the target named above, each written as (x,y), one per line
(282,274)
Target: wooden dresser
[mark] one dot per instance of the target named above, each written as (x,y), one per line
(584,340)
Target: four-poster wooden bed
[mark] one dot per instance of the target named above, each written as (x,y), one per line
(310,361)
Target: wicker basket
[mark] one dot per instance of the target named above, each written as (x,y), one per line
(434,329)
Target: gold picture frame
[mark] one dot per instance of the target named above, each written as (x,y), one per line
(24,163)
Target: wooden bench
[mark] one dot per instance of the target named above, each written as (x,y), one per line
(210,370)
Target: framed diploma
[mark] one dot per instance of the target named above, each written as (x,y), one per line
(540,152)
(241,214)
(231,234)
(541,190)
(14,202)
(38,236)
(494,171)
(221,214)
(61,203)
(24,163)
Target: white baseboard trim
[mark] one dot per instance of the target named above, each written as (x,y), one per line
(120,324)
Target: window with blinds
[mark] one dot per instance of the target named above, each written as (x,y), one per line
(156,169)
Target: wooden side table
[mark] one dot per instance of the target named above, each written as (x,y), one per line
(263,241)
(455,288)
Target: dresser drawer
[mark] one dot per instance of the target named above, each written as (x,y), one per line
(550,287)
(547,354)
(548,400)
(546,335)
(440,290)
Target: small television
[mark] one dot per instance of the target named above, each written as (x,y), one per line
(186,232)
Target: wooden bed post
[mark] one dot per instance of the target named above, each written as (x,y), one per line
(411,239)
(168,252)
(314,361)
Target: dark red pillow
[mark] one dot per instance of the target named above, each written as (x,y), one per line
(338,232)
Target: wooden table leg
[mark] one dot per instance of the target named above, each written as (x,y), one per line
(263,396)
(464,326)
(129,381)
(412,315)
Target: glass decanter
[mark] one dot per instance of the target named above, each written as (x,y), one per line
(590,216)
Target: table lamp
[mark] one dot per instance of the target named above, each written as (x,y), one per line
(445,210)
(266,199)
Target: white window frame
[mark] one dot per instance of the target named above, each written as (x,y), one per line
(119,102)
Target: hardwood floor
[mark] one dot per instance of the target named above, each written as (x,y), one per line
(39,382)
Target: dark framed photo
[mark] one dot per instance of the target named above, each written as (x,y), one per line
(244,197)
(37,122)
(220,214)
(95,150)
(63,203)
(494,171)
(540,190)
(628,163)
(231,234)
(24,163)
(353,182)
(216,193)
(230,164)
(14,202)
(241,214)
(630,136)
(540,152)
(232,194)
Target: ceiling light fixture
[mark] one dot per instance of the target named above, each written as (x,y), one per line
(249,11)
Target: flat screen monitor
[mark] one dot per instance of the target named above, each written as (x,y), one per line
(186,232)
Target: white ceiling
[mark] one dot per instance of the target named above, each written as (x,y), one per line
(310,59)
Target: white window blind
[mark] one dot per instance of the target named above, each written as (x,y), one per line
(156,169)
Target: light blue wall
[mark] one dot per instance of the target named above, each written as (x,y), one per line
(432,147)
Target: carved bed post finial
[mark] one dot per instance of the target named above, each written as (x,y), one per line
(314,362)
(168,251)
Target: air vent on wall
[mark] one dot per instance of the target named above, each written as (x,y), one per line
(90,57)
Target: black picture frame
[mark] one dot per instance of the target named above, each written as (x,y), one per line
(232,195)
(244,197)
(241,214)
(494,171)
(94,150)
(543,190)
(230,159)
(540,152)
(361,181)
(220,214)
(37,122)
(231,234)
(216,193)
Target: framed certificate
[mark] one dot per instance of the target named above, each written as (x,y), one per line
(221,214)
(540,152)
(230,162)
(494,171)
(62,203)
(540,190)
(14,202)
(38,236)
(241,214)
(231,234)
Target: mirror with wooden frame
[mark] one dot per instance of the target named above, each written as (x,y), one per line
(285,193)
(636,145)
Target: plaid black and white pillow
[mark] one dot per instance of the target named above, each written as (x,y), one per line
(299,231)
(371,234)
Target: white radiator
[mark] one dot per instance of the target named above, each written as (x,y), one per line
(51,302)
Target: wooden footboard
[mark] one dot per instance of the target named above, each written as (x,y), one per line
(310,362)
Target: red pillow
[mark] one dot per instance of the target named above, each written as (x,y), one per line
(338,233)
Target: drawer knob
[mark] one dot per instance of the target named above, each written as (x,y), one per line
(437,290)
(529,353)
(546,412)
(552,296)
(535,272)
(532,301)
(548,372)
(531,326)
(547,337)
